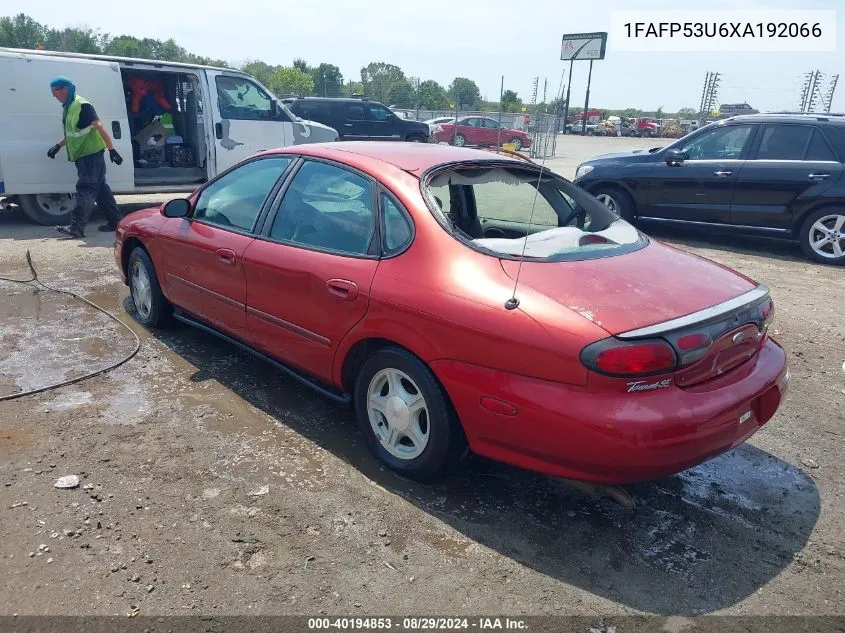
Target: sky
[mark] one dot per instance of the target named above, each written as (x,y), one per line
(480,39)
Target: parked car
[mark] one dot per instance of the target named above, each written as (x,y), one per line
(773,175)
(383,276)
(359,119)
(480,131)
(220,116)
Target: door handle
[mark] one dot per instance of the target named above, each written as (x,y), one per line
(218,130)
(226,256)
(723,172)
(818,176)
(342,288)
(347,124)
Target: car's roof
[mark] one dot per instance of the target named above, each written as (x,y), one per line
(413,157)
(788,117)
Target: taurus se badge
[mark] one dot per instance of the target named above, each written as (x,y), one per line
(642,385)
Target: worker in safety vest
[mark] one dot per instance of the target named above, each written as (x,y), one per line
(86,140)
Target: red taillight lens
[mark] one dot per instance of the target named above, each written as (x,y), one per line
(693,341)
(618,358)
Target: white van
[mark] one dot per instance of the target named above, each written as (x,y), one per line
(213,118)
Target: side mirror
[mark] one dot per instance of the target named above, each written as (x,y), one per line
(178,208)
(675,156)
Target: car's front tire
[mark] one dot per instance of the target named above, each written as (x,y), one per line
(405,415)
(617,200)
(151,307)
(822,236)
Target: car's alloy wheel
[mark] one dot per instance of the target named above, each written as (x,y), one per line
(607,200)
(398,413)
(141,289)
(517,142)
(406,416)
(827,236)
(459,140)
(151,306)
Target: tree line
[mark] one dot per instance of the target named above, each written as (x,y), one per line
(379,81)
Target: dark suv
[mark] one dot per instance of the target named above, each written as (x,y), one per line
(779,175)
(359,119)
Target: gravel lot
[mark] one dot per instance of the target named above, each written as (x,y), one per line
(211,484)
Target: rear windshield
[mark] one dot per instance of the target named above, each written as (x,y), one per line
(514,212)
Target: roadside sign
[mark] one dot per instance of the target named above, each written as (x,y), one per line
(583,46)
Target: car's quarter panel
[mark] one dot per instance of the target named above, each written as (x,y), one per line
(603,433)
(294,310)
(203,272)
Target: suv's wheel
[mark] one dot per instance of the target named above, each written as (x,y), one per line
(617,201)
(151,307)
(822,236)
(416,139)
(48,208)
(405,415)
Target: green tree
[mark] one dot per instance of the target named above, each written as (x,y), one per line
(432,96)
(21,31)
(688,113)
(301,65)
(328,80)
(387,84)
(260,70)
(290,81)
(511,101)
(466,92)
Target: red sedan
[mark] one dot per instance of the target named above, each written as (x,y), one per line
(481,131)
(458,298)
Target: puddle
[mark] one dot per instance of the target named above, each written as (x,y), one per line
(68,401)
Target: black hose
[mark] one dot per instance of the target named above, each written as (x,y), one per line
(35,282)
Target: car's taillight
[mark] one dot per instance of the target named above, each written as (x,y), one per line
(638,358)
(767,312)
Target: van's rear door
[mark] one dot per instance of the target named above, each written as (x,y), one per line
(245,119)
(31,121)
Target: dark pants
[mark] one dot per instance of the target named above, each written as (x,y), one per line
(90,188)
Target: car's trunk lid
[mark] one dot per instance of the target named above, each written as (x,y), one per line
(714,318)
(626,292)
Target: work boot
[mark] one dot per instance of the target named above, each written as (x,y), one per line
(105,228)
(71,230)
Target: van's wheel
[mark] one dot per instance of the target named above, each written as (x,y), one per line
(617,201)
(822,236)
(48,208)
(152,309)
(406,417)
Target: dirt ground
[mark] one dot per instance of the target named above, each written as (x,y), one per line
(212,484)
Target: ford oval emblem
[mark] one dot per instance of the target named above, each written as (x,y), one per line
(738,337)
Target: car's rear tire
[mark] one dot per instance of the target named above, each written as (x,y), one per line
(459,140)
(617,200)
(416,138)
(822,236)
(152,309)
(517,142)
(422,441)
(48,209)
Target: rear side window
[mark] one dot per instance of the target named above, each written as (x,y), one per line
(819,149)
(784,142)
(397,231)
(836,135)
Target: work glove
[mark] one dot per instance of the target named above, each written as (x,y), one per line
(54,150)
(115,157)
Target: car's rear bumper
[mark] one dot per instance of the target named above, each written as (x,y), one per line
(613,437)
